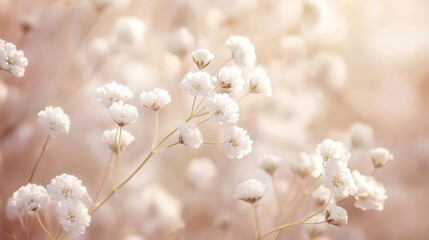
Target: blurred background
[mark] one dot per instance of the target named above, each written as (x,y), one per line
(332,64)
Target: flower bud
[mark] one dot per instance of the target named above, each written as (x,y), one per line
(381,157)
(202,58)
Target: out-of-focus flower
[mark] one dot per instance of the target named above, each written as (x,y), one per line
(338,179)
(259,82)
(190,135)
(329,70)
(315,231)
(237,143)
(336,215)
(269,163)
(201,171)
(12,60)
(321,195)
(155,99)
(381,157)
(64,187)
(309,164)
(335,151)
(250,191)
(230,79)
(123,114)
(370,193)
(73,217)
(54,121)
(197,83)
(222,108)
(180,42)
(128,32)
(30,197)
(202,58)
(361,135)
(243,51)
(109,138)
(3,92)
(98,49)
(113,92)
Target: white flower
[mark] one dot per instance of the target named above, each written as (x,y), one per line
(113,92)
(12,60)
(54,121)
(202,58)
(73,217)
(336,215)
(201,171)
(361,135)
(155,99)
(250,191)
(197,83)
(180,42)
(370,194)
(259,82)
(269,163)
(128,32)
(109,138)
(381,157)
(309,164)
(321,195)
(237,143)
(30,197)
(243,51)
(338,179)
(123,114)
(230,79)
(316,231)
(335,151)
(190,135)
(222,109)
(64,187)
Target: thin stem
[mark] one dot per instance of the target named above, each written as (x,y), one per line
(43,226)
(255,222)
(103,181)
(38,160)
(164,148)
(193,105)
(373,172)
(200,123)
(242,97)
(169,234)
(276,193)
(199,104)
(220,66)
(200,114)
(155,138)
(23,225)
(212,143)
(58,233)
(118,158)
(313,222)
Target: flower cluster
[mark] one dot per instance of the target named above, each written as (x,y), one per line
(12,60)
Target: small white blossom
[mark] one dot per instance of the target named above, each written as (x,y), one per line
(180,42)
(259,82)
(65,187)
(338,179)
(222,108)
(113,92)
(201,171)
(54,121)
(237,143)
(190,135)
(128,32)
(12,60)
(230,79)
(381,157)
(309,164)
(197,83)
(202,58)
(269,163)
(73,217)
(243,51)
(335,151)
(109,138)
(250,191)
(370,194)
(361,135)
(155,99)
(123,114)
(321,195)
(336,215)
(30,197)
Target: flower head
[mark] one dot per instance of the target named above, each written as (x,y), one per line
(12,60)
(64,187)
(243,51)
(190,135)
(237,143)
(73,217)
(321,195)
(128,32)
(309,164)
(269,163)
(259,82)
(222,109)
(338,179)
(123,114)
(201,171)
(230,79)
(370,193)
(250,191)
(197,83)
(381,157)
(155,99)
(109,138)
(361,135)
(336,215)
(113,92)
(54,121)
(202,58)
(30,197)
(331,150)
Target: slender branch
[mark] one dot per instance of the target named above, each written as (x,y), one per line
(200,114)
(155,138)
(255,222)
(193,105)
(165,148)
(58,233)
(212,143)
(38,160)
(242,97)
(276,193)
(43,226)
(118,158)
(200,123)
(103,181)
(169,234)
